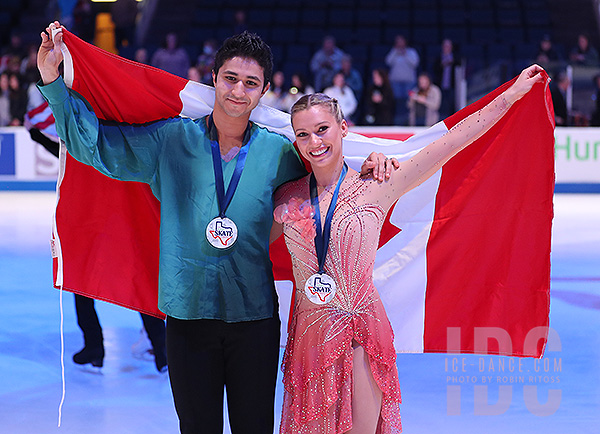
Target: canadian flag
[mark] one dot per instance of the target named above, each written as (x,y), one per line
(464,259)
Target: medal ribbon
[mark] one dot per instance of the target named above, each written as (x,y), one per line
(322,236)
(224,199)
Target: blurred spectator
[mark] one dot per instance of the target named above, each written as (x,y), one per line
(31,75)
(546,54)
(141,55)
(558,91)
(84,20)
(12,54)
(342,92)
(15,47)
(584,54)
(239,21)
(325,63)
(352,76)
(28,68)
(193,74)
(443,70)
(34,96)
(171,57)
(206,61)
(17,100)
(379,99)
(299,88)
(275,96)
(354,81)
(424,102)
(5,117)
(403,62)
(595,119)
(12,64)
(124,15)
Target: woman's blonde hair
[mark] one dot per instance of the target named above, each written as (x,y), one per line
(319,99)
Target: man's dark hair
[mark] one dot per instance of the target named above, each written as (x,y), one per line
(247,45)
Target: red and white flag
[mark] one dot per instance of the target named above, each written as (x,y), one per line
(464,259)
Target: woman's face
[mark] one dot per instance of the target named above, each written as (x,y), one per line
(319,136)
(278,79)
(377,79)
(339,80)
(296,82)
(424,82)
(14,82)
(4,81)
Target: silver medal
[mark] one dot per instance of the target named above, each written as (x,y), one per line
(221,233)
(320,288)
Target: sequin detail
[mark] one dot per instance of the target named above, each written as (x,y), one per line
(317,363)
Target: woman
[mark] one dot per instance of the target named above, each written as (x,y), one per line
(299,88)
(277,92)
(342,92)
(339,366)
(424,102)
(379,99)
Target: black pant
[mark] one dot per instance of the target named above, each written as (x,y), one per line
(206,356)
(88,322)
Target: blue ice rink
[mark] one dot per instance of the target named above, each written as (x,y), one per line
(441,393)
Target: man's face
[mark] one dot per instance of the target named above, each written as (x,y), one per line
(239,85)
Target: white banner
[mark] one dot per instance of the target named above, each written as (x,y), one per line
(22,159)
(577,152)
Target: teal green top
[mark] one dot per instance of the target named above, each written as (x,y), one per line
(173,156)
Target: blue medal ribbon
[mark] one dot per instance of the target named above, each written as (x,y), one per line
(224,199)
(323,235)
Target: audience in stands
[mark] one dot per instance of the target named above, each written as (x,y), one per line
(299,88)
(239,22)
(354,81)
(352,76)
(403,62)
(372,105)
(344,95)
(424,102)
(325,63)
(559,88)
(14,100)
(5,116)
(379,102)
(595,119)
(141,55)
(547,54)
(193,74)
(584,53)
(443,76)
(206,60)
(171,57)
(277,92)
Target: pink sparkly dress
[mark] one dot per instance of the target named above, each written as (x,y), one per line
(317,363)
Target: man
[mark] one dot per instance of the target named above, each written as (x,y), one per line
(215,177)
(325,63)
(403,62)
(559,99)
